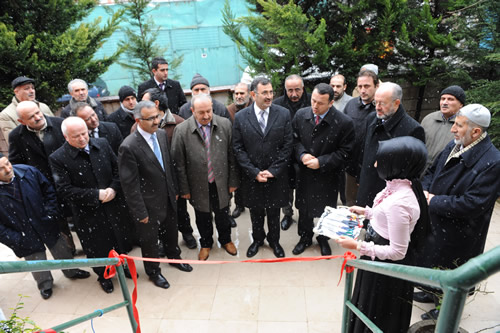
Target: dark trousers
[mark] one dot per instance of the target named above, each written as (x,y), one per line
(183,220)
(154,231)
(204,220)
(257,216)
(238,198)
(288,209)
(306,225)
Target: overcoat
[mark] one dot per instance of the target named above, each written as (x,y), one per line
(331,141)
(26,148)
(123,120)
(256,151)
(78,177)
(465,190)
(218,109)
(39,198)
(111,132)
(189,154)
(399,124)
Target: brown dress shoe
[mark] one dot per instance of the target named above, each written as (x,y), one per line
(204,252)
(230,248)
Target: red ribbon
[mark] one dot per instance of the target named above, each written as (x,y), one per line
(110,271)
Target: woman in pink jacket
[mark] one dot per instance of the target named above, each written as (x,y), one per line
(398,221)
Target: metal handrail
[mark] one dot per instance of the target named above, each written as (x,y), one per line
(44,265)
(455,284)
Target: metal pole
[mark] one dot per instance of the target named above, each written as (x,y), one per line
(347,297)
(451,310)
(126,296)
(46,265)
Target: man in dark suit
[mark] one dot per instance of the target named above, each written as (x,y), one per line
(389,121)
(123,117)
(32,142)
(202,150)
(294,98)
(86,175)
(323,141)
(175,94)
(150,187)
(262,141)
(98,129)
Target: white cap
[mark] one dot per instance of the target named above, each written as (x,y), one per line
(370,67)
(477,114)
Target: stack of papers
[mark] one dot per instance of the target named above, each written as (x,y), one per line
(336,222)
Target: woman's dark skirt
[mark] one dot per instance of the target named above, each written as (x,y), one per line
(385,300)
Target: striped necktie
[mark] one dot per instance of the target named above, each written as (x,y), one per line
(206,139)
(262,121)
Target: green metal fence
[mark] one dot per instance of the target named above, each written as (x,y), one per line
(454,283)
(44,265)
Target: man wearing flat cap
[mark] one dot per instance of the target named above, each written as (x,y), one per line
(437,125)
(24,90)
(461,188)
(123,117)
(200,85)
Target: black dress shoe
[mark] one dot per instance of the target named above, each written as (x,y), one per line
(254,248)
(80,274)
(423,297)
(286,222)
(232,222)
(301,246)
(433,314)
(46,293)
(278,250)
(190,241)
(237,211)
(160,281)
(183,267)
(324,246)
(106,285)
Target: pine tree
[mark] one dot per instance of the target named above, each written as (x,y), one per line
(283,40)
(43,40)
(141,46)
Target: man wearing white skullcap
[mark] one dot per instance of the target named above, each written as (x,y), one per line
(461,188)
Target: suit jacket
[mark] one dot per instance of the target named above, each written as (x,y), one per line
(111,132)
(175,94)
(79,177)
(331,142)
(218,108)
(256,151)
(26,148)
(94,103)
(189,154)
(465,190)
(147,187)
(400,124)
(123,120)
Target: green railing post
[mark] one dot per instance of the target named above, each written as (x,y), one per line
(126,296)
(347,297)
(451,310)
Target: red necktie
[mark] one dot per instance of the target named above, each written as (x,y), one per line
(317,120)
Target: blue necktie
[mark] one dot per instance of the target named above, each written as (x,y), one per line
(156,150)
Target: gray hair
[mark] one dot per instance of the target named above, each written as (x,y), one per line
(71,119)
(72,82)
(397,91)
(294,77)
(242,84)
(77,107)
(142,105)
(200,97)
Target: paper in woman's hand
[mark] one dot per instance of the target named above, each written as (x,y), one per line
(336,222)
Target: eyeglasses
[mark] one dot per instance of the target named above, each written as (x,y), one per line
(153,118)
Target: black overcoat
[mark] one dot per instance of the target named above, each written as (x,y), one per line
(330,141)
(175,94)
(256,151)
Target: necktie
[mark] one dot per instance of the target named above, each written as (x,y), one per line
(317,120)
(162,85)
(262,121)
(206,139)
(156,150)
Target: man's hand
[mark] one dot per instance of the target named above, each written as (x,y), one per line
(312,163)
(145,220)
(261,178)
(306,158)
(186,196)
(107,195)
(232,189)
(267,174)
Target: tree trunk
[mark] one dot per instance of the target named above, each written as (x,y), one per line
(420,101)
